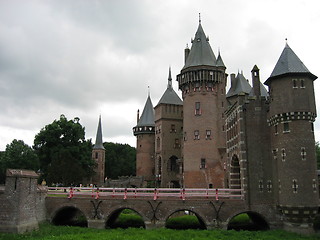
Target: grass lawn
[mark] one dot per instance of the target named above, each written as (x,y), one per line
(50,232)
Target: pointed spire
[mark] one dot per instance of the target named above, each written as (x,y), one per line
(169,79)
(200,52)
(170,96)
(220,62)
(99,143)
(289,63)
(147,116)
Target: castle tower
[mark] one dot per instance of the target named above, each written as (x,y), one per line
(291,116)
(145,133)
(168,123)
(202,81)
(98,155)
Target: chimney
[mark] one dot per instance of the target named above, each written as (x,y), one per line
(186,53)
(138,116)
(233,81)
(256,81)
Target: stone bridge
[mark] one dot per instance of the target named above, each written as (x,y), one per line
(213,208)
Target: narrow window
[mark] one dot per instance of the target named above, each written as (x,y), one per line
(260,185)
(158,143)
(302,83)
(176,143)
(173,128)
(197,110)
(294,83)
(276,129)
(274,153)
(283,155)
(269,186)
(312,127)
(303,154)
(185,136)
(203,163)
(295,185)
(97,155)
(286,127)
(208,134)
(314,185)
(196,135)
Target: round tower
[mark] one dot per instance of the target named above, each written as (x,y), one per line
(291,116)
(145,133)
(202,81)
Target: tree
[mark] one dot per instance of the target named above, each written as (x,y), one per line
(18,155)
(120,160)
(64,154)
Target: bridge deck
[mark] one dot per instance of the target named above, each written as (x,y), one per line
(146,193)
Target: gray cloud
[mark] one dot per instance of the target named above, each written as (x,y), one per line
(85,58)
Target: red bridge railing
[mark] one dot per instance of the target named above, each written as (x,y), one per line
(149,193)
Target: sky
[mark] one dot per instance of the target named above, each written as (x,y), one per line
(85,58)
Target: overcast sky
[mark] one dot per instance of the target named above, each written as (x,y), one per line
(85,58)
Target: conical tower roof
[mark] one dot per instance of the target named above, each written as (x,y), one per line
(170,96)
(220,62)
(289,63)
(200,52)
(147,116)
(99,143)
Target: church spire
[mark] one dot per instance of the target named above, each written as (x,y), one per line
(99,142)
(169,79)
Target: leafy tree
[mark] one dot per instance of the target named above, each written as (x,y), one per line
(18,155)
(318,154)
(120,160)
(64,154)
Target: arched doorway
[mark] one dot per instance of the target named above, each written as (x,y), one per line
(185,219)
(125,218)
(70,216)
(234,179)
(250,221)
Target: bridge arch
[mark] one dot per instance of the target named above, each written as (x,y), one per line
(248,220)
(69,216)
(135,220)
(186,212)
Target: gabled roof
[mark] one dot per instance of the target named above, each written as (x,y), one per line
(147,116)
(241,85)
(289,63)
(170,96)
(200,52)
(99,143)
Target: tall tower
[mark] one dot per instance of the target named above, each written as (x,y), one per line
(291,116)
(145,133)
(202,81)
(98,155)
(168,121)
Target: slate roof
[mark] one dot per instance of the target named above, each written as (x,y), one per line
(200,52)
(241,86)
(147,116)
(263,91)
(289,63)
(220,62)
(170,96)
(99,142)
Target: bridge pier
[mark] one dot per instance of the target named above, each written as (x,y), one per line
(97,223)
(154,225)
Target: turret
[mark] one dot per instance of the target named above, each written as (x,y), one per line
(202,81)
(145,131)
(168,122)
(291,116)
(98,155)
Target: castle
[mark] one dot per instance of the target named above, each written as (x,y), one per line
(246,138)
